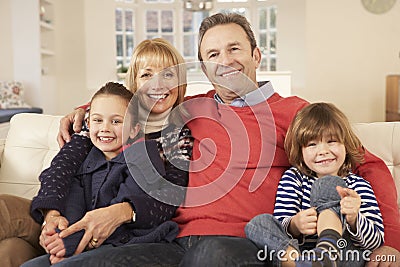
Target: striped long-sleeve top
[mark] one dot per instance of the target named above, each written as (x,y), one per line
(293,195)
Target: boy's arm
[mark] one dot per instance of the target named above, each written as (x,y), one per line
(375,171)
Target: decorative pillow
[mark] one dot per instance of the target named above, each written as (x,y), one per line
(12,95)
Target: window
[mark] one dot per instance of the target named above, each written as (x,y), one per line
(168,19)
(125,39)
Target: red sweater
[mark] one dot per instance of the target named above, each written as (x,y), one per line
(237,164)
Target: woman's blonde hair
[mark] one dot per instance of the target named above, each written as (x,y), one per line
(157,52)
(312,123)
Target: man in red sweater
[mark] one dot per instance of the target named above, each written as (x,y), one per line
(238,159)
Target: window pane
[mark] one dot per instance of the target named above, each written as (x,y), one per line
(272,64)
(129,45)
(188,21)
(151,36)
(118,19)
(272,43)
(128,20)
(272,17)
(263,43)
(167,21)
(119,45)
(152,21)
(263,19)
(189,46)
(264,65)
(169,38)
(192,20)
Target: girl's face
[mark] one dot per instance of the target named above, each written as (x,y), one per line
(106,119)
(324,157)
(158,88)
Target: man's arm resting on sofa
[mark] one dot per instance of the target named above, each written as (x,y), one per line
(375,171)
(384,257)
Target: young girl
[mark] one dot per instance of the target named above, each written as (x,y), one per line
(112,172)
(319,201)
(174,143)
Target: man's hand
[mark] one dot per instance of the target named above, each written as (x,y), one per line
(384,257)
(74,119)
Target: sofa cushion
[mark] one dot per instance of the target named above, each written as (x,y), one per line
(30,147)
(383,140)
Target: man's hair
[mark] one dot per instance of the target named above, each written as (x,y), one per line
(312,123)
(226,18)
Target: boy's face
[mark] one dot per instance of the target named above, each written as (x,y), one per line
(324,157)
(106,123)
(229,62)
(157,87)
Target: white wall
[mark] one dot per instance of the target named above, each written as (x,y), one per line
(71,55)
(349,53)
(6,57)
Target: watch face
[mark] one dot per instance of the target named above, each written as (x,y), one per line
(378,6)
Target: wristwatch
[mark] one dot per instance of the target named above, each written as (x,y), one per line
(133,216)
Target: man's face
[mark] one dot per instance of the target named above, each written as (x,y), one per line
(229,62)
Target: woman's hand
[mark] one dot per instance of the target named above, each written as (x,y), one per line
(99,224)
(74,119)
(304,222)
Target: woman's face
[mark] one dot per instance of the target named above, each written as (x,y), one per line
(157,87)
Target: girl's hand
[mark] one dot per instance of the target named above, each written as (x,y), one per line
(349,205)
(49,235)
(304,222)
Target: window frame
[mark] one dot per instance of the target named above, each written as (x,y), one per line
(140,7)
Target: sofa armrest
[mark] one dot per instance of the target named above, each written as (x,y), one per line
(2,145)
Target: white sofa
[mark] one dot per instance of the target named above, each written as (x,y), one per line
(31,144)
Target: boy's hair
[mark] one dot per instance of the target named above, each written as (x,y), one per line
(312,123)
(157,52)
(226,18)
(117,89)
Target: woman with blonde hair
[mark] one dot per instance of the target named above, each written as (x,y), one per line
(158,76)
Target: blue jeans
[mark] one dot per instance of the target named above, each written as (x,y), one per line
(270,236)
(185,251)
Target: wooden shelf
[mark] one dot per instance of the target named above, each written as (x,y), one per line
(46,52)
(49,2)
(46,25)
(393,98)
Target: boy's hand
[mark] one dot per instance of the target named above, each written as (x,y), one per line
(349,205)
(304,222)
